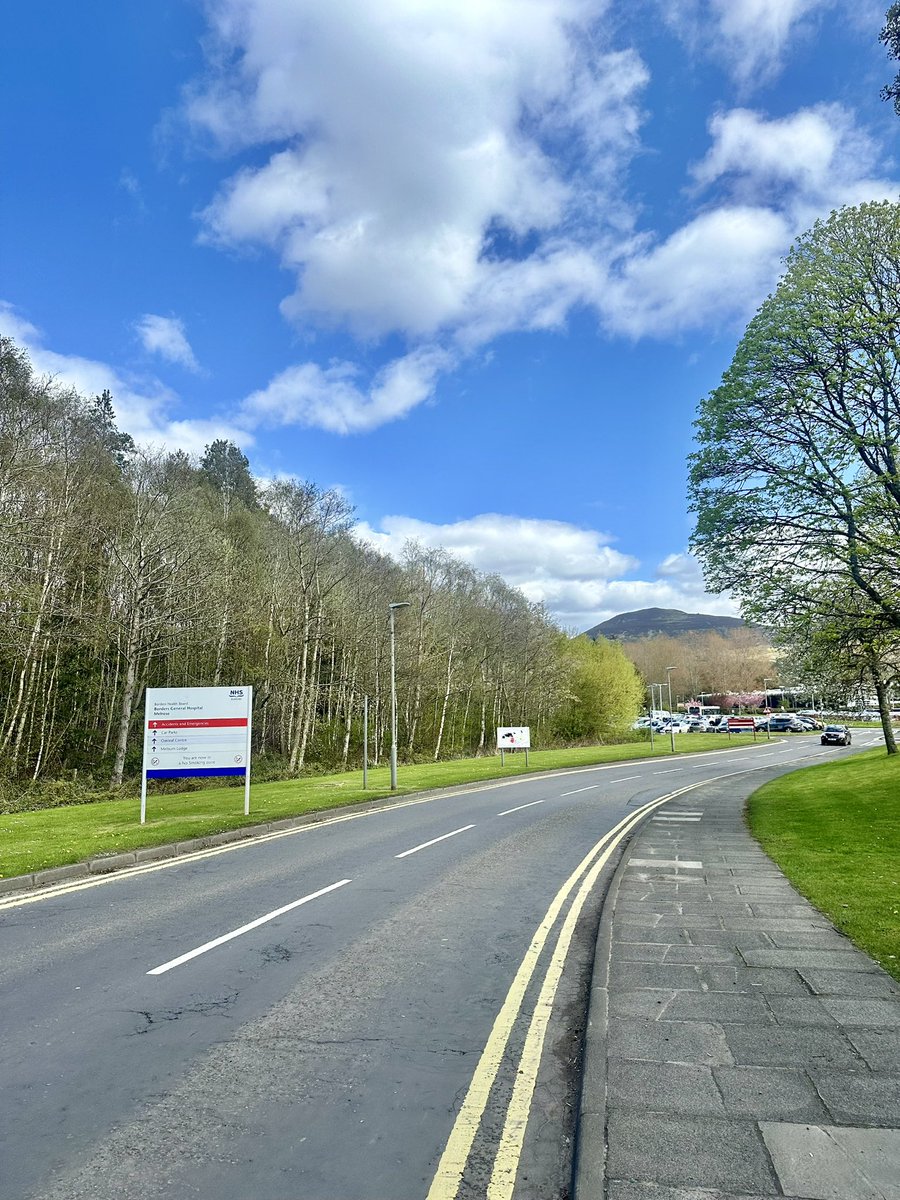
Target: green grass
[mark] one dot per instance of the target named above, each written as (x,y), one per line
(835,832)
(33,841)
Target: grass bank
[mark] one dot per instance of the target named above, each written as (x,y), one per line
(33,841)
(835,832)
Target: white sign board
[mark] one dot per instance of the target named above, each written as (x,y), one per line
(514,737)
(191,732)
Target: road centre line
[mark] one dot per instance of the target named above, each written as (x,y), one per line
(448,1177)
(671,771)
(227,937)
(519,807)
(589,788)
(434,841)
(80,885)
(623,779)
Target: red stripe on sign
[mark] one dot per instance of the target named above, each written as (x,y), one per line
(211,723)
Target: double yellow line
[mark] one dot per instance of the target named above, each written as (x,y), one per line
(448,1177)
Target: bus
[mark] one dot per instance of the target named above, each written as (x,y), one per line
(704,710)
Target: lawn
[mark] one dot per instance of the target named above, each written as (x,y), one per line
(835,832)
(32,841)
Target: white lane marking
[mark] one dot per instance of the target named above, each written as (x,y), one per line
(519,807)
(671,771)
(687,812)
(63,889)
(676,820)
(226,937)
(589,788)
(688,864)
(434,841)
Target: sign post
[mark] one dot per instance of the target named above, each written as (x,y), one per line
(197,732)
(513,737)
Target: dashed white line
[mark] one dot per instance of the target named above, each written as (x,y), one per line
(590,788)
(625,778)
(226,937)
(671,771)
(434,841)
(519,808)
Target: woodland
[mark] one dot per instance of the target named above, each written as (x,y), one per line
(123,567)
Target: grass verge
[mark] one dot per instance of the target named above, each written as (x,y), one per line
(835,832)
(33,841)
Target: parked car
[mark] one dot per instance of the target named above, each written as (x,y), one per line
(785,723)
(835,735)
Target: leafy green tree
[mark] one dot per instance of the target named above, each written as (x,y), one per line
(795,481)
(103,417)
(843,655)
(890,37)
(227,468)
(604,690)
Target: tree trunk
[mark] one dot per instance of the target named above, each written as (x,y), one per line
(128,690)
(884,709)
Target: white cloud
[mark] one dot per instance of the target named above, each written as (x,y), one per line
(454,171)
(165,336)
(143,405)
(815,156)
(711,272)
(573,571)
(752,36)
(427,151)
(330,398)
(773,179)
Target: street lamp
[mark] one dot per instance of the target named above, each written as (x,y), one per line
(768,714)
(392,607)
(669,671)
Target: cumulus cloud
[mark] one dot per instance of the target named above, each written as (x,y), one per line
(769,180)
(456,171)
(814,156)
(143,405)
(423,150)
(331,398)
(574,572)
(165,336)
(710,272)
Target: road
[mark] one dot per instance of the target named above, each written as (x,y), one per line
(384,1004)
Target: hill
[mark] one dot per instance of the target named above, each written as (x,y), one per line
(670,621)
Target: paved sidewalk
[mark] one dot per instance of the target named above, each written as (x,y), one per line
(738,1046)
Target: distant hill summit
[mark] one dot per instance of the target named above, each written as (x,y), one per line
(670,621)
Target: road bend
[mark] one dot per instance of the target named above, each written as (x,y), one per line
(381,1006)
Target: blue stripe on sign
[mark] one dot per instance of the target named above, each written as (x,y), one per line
(188,772)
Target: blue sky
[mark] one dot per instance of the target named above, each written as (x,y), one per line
(472,261)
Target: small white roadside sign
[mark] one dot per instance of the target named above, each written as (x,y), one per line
(514,737)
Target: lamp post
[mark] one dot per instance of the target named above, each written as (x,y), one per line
(669,671)
(652,706)
(768,714)
(392,607)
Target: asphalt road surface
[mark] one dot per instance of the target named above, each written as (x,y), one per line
(383,1006)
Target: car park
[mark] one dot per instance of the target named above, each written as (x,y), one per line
(836,735)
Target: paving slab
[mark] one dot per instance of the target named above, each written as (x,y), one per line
(835,1163)
(747,1048)
(689,1152)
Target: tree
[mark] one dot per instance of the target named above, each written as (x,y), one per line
(890,37)
(844,655)
(227,468)
(605,690)
(795,482)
